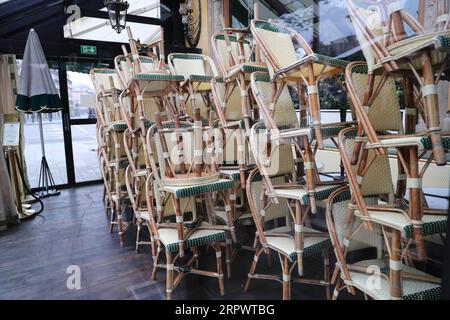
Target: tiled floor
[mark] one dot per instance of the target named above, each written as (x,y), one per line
(73,230)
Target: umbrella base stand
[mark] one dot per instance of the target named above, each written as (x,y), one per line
(46,185)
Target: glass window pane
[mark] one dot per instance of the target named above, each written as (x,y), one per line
(81,90)
(84,145)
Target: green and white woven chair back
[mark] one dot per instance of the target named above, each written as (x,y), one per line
(384,111)
(199,103)
(230,147)
(377,179)
(125,68)
(184,152)
(101,76)
(222,50)
(167,209)
(273,211)
(190,64)
(363,237)
(278,43)
(284,110)
(275,158)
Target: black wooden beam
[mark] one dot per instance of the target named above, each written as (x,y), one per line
(130,18)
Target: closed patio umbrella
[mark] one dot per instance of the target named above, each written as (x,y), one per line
(37,93)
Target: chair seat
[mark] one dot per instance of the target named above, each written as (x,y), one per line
(190,191)
(412,289)
(437,42)
(123,163)
(158,76)
(200,237)
(155,82)
(322,65)
(290,133)
(122,199)
(247,68)
(200,78)
(301,194)
(244,219)
(142,214)
(328,132)
(232,174)
(286,245)
(432,224)
(426,143)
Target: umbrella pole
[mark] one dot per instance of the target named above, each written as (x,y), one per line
(46,182)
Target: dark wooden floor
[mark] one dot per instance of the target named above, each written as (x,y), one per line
(73,230)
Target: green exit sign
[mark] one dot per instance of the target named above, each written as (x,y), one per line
(92,50)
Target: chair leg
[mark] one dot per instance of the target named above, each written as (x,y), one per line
(169,275)
(138,233)
(432,112)
(334,278)
(196,255)
(241,156)
(112,217)
(326,273)
(228,253)
(155,262)
(337,288)
(230,215)
(252,268)
(219,267)
(286,280)
(120,223)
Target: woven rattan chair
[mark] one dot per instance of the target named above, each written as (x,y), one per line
(110,129)
(188,168)
(227,106)
(375,100)
(273,159)
(422,56)
(198,70)
(235,54)
(360,216)
(281,121)
(290,59)
(281,239)
(166,239)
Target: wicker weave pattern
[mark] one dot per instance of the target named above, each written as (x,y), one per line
(384,112)
(412,289)
(281,46)
(233,109)
(378,178)
(284,114)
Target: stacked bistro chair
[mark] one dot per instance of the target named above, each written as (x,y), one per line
(235,154)
(283,126)
(420,55)
(368,216)
(195,91)
(272,193)
(378,110)
(291,61)
(188,169)
(234,50)
(113,157)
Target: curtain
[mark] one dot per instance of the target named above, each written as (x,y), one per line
(8,212)
(8,91)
